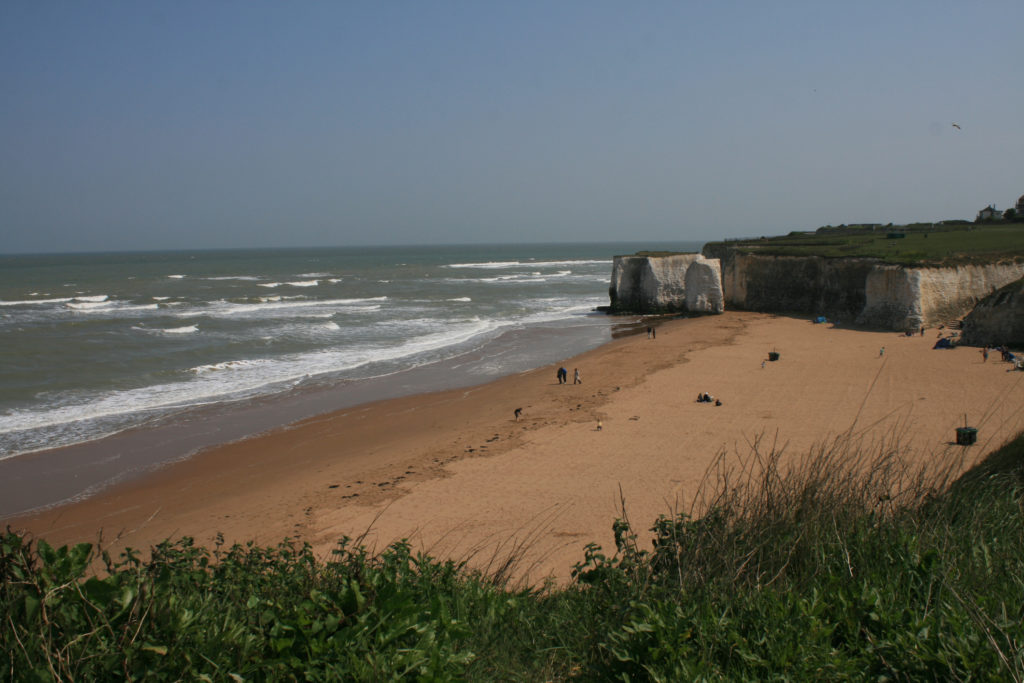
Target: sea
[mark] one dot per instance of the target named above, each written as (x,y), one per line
(92,345)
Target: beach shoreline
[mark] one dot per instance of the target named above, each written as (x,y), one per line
(458,476)
(32,482)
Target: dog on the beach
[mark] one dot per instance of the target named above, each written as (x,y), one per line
(519,411)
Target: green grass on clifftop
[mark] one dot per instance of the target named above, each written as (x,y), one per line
(919,244)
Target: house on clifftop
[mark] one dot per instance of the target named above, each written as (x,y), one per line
(989,213)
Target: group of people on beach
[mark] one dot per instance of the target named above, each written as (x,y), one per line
(708,398)
(563,376)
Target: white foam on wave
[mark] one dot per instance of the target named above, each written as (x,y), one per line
(243,278)
(92,299)
(359,309)
(176,277)
(109,307)
(161,298)
(316,275)
(187,329)
(530,264)
(89,305)
(518,278)
(461,298)
(30,302)
(230,365)
(298,283)
(280,305)
(331,326)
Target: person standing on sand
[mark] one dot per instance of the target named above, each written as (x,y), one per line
(648,333)
(984,355)
(576,376)
(654,333)
(881,352)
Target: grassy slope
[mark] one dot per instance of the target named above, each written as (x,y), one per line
(942,245)
(847,566)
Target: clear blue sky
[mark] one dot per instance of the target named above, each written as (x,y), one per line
(156,125)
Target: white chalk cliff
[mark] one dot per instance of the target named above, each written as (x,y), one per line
(864,290)
(905,298)
(671,283)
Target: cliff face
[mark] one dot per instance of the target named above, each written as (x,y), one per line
(815,285)
(865,290)
(666,284)
(998,319)
(905,298)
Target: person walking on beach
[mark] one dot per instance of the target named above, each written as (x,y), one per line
(984,355)
(563,375)
(648,333)
(654,333)
(881,352)
(576,376)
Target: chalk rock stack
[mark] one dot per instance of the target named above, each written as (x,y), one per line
(666,283)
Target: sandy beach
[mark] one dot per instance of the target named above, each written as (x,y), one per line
(456,474)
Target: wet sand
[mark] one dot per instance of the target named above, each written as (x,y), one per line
(459,477)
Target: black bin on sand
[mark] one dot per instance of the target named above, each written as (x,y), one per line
(966,436)
(773,355)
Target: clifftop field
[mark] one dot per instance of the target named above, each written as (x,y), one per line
(919,244)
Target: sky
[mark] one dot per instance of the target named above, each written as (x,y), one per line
(189,125)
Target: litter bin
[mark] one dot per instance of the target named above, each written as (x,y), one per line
(773,355)
(966,436)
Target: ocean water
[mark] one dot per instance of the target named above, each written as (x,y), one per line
(95,344)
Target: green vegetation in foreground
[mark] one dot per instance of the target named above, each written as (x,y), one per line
(836,569)
(919,244)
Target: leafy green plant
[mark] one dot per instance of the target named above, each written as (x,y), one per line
(848,564)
